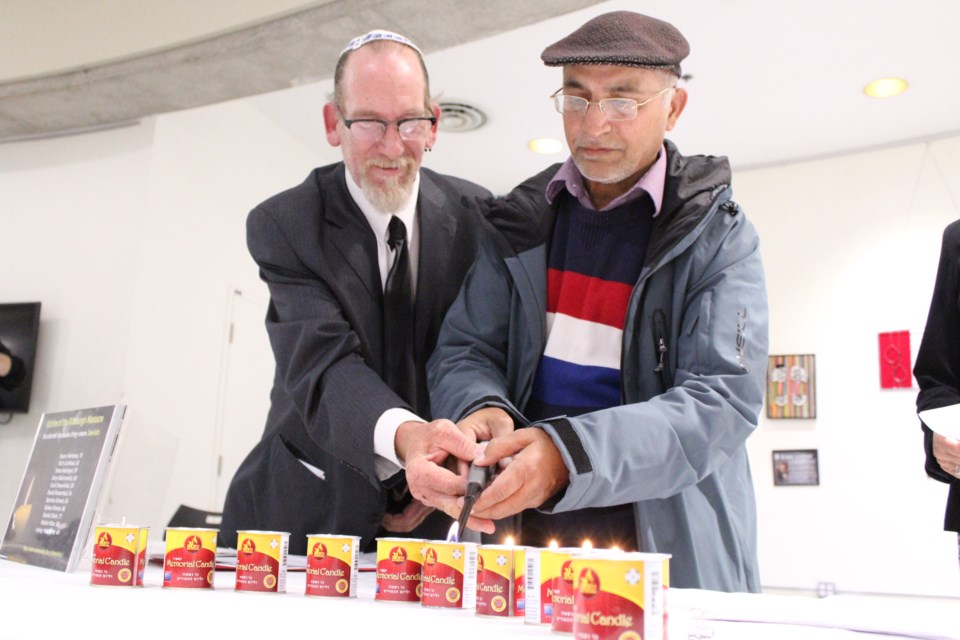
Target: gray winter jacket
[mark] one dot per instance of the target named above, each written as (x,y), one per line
(693,368)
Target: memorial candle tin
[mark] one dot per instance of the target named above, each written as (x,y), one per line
(190,558)
(500,580)
(449,575)
(332,564)
(562,620)
(399,566)
(262,561)
(119,555)
(620,595)
(543,568)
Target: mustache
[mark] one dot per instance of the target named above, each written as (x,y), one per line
(387,163)
(582,142)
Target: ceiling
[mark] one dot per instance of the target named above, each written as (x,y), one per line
(772,82)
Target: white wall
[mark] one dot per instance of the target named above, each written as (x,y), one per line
(133,239)
(208,168)
(70,214)
(850,247)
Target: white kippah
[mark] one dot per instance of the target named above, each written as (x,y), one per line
(379,34)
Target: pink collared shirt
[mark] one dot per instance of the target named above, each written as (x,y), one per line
(650,182)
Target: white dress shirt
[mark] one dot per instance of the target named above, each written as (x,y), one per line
(386,462)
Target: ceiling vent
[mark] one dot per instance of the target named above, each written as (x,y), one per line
(460,117)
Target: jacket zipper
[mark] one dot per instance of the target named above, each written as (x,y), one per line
(660,346)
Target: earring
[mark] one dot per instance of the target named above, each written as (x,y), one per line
(428,149)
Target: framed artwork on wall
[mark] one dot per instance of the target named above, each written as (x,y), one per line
(895,369)
(796,467)
(791,387)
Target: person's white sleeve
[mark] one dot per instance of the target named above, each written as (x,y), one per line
(385,462)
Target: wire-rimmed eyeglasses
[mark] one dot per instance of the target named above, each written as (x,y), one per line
(611,108)
(372,129)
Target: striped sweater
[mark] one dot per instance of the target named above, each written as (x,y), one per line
(594,260)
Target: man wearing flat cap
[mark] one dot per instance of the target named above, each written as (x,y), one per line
(618,366)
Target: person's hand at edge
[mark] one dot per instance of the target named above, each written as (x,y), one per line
(947,452)
(407,520)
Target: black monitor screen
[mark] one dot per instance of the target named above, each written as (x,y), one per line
(19,327)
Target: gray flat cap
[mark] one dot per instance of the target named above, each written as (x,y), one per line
(621,38)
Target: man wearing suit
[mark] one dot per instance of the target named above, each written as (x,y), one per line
(938,372)
(349,406)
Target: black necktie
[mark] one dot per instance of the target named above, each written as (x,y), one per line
(399,368)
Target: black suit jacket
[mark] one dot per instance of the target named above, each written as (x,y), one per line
(938,360)
(318,256)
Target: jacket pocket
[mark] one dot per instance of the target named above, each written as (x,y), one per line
(696,330)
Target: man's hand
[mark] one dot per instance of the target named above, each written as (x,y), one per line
(482,425)
(424,448)
(487,424)
(536,472)
(407,520)
(947,452)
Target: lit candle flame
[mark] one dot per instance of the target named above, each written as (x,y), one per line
(508,541)
(587,544)
(554,544)
(453,533)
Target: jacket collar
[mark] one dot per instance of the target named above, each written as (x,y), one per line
(692,184)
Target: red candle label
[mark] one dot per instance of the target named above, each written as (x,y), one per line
(450,575)
(190,560)
(262,561)
(620,595)
(399,566)
(332,566)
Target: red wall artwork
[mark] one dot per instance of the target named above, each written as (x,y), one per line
(895,369)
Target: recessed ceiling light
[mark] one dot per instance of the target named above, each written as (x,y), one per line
(545,145)
(885,87)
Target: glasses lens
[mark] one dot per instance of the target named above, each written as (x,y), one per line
(570,105)
(414,129)
(368,130)
(619,108)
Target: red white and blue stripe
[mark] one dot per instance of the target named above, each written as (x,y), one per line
(594,261)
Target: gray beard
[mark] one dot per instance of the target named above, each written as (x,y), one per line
(392,197)
(610,178)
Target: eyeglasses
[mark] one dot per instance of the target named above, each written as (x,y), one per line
(611,108)
(373,130)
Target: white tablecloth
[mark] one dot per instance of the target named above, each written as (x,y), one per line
(41,603)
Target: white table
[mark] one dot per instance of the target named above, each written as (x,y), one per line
(41,603)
